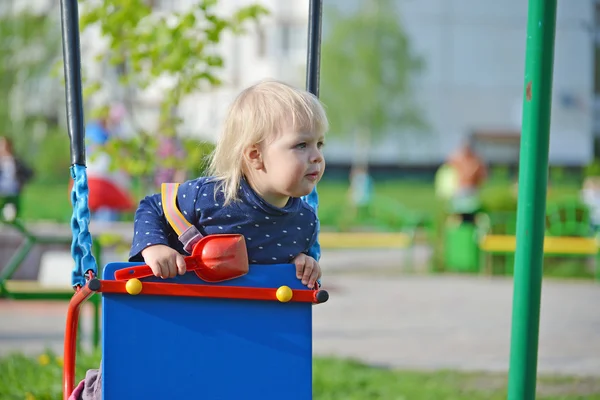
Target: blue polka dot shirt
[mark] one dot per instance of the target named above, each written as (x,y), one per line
(273,235)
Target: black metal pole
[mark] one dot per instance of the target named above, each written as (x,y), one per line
(313,61)
(72,68)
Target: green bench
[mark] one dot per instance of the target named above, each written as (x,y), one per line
(32,289)
(568,234)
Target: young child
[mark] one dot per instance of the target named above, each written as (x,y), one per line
(268,156)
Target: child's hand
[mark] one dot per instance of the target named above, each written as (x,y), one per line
(164,261)
(307,269)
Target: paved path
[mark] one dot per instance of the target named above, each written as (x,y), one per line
(407,321)
(455,322)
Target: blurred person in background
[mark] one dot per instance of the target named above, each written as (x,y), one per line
(14,173)
(471,173)
(108,189)
(590,195)
(360,191)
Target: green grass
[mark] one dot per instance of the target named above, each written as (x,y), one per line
(46,202)
(52,201)
(396,205)
(40,378)
(351,380)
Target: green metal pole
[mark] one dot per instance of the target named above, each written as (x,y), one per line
(533,177)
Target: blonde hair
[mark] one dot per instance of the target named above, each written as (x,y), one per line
(258,112)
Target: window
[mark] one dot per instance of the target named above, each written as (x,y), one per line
(293,38)
(261,42)
(285,39)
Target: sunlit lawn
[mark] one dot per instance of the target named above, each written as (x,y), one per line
(52,202)
(40,378)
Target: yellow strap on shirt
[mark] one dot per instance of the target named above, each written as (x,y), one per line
(178,222)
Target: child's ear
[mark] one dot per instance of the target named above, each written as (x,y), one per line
(253,157)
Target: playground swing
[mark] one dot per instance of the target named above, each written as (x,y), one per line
(248,348)
(255,324)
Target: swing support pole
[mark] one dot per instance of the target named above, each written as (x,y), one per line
(313,57)
(72,68)
(313,65)
(533,180)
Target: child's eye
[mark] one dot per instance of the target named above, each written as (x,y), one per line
(320,144)
(301,145)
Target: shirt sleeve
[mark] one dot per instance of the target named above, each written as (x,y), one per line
(314,248)
(151,226)
(312,199)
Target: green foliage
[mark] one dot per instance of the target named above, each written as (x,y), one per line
(499,198)
(197,156)
(29,44)
(367,68)
(137,156)
(51,159)
(133,155)
(148,45)
(500,173)
(38,378)
(592,169)
(557,174)
(382,214)
(152,44)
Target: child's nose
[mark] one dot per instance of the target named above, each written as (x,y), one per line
(317,157)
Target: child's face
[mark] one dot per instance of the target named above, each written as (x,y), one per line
(291,165)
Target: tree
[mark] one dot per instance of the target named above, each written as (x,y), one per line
(29,45)
(367,66)
(148,45)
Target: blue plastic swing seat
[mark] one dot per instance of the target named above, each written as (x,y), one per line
(161,347)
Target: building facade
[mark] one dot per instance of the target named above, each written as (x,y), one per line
(472,84)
